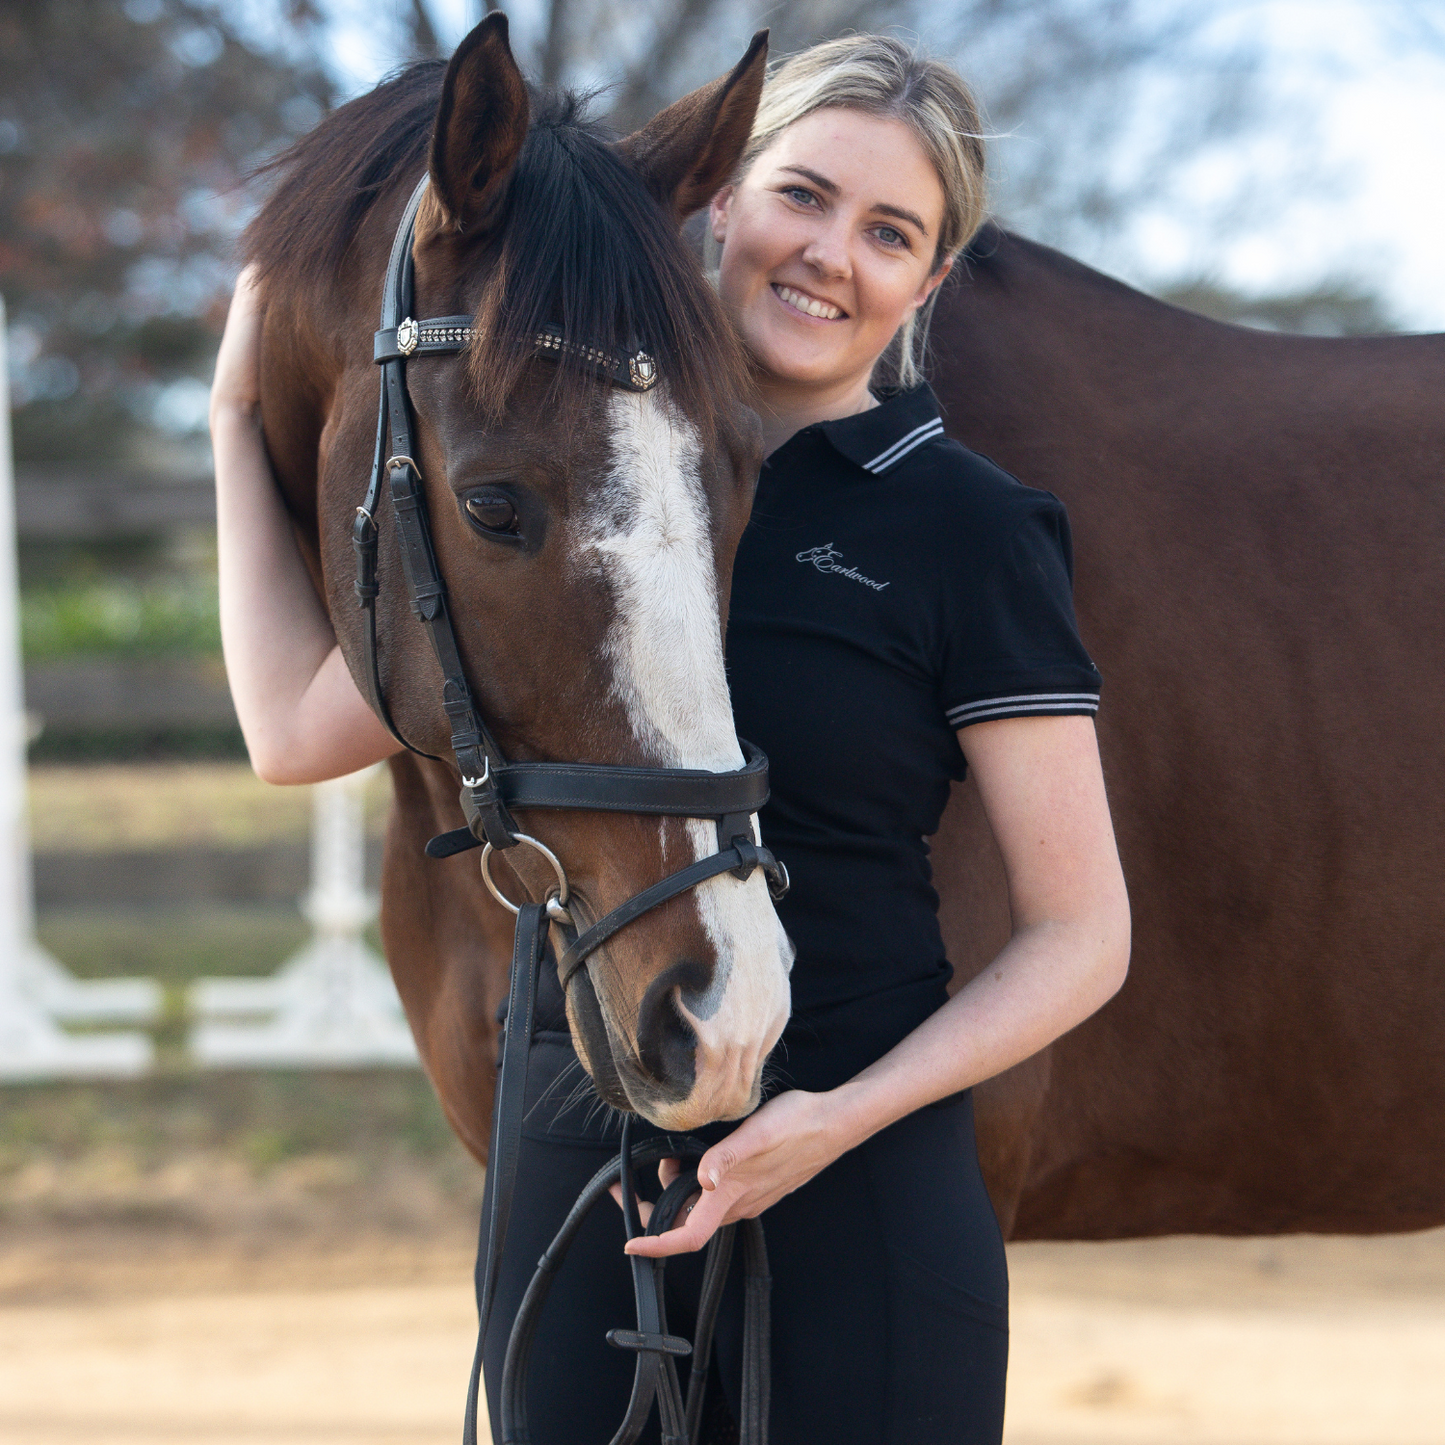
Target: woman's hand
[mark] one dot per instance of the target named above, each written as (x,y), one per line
(1043,792)
(236,385)
(771,1153)
(300,712)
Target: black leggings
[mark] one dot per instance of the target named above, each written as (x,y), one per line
(889,1299)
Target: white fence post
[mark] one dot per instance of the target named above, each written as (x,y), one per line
(35,991)
(333,1004)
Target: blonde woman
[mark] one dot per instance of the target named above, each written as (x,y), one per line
(901,612)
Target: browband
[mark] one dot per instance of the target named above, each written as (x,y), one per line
(446,335)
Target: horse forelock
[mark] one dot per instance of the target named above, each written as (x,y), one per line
(582,244)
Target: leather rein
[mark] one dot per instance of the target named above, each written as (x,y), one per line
(491,788)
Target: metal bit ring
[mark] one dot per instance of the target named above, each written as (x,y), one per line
(556,902)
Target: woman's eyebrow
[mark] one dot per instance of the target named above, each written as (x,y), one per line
(883,208)
(831,188)
(822,182)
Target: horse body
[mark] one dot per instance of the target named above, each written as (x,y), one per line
(1259,526)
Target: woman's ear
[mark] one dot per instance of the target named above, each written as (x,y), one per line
(933,283)
(717,213)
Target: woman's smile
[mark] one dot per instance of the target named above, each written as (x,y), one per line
(813,307)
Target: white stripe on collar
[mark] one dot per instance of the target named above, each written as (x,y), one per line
(933,427)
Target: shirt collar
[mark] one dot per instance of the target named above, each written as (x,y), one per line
(881,437)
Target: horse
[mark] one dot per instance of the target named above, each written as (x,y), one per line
(1259,527)
(1257,523)
(584,534)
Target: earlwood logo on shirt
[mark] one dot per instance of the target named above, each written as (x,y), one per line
(825,559)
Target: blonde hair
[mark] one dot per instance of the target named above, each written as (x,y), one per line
(882,76)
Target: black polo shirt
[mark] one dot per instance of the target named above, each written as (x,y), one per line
(891,587)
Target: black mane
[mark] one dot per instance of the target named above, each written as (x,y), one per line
(582,243)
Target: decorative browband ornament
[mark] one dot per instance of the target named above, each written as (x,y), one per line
(446,335)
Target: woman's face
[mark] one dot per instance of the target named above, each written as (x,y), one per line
(828,245)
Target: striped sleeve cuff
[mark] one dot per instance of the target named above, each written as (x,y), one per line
(1024,704)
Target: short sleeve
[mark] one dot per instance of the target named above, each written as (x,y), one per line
(1013,649)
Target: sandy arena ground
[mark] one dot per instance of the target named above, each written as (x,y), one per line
(125,1339)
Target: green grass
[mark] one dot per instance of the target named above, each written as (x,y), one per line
(139,745)
(175,947)
(263,1118)
(121,617)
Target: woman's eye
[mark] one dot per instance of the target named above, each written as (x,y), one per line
(799,194)
(492,512)
(890,237)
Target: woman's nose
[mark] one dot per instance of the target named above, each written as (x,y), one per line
(827,254)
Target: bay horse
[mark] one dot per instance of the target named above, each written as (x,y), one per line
(584,534)
(1259,526)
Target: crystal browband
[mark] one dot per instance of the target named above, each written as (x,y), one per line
(446,335)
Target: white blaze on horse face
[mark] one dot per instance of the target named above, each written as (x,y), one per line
(652,539)
(666,642)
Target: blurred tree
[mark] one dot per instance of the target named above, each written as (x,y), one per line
(1102,111)
(1333,308)
(126,130)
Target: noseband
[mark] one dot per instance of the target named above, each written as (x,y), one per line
(491,788)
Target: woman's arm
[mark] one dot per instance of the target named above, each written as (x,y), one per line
(1043,791)
(301,714)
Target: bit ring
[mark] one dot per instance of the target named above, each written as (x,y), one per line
(556,902)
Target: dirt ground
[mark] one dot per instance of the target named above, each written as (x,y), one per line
(285,1259)
(133,1335)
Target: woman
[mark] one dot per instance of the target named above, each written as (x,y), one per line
(900,611)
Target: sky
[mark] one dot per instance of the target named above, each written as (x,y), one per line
(1371,104)
(1377,110)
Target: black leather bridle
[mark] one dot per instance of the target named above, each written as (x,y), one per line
(491,788)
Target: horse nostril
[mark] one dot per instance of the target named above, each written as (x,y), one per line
(666,1043)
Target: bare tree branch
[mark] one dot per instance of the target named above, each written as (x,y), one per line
(424,42)
(645,91)
(1104,109)
(556,48)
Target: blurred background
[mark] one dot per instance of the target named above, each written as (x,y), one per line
(274,1253)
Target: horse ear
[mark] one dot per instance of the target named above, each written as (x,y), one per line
(684,153)
(480,125)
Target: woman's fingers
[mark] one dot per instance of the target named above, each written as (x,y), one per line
(644,1209)
(237,380)
(699,1221)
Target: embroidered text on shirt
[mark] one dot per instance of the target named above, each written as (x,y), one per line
(825,559)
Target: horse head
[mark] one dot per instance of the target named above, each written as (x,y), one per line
(585,532)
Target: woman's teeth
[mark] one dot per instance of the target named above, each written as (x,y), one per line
(808,304)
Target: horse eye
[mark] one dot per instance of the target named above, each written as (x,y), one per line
(493,512)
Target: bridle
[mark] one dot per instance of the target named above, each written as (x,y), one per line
(491,788)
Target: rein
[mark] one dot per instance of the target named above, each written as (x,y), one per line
(491,788)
